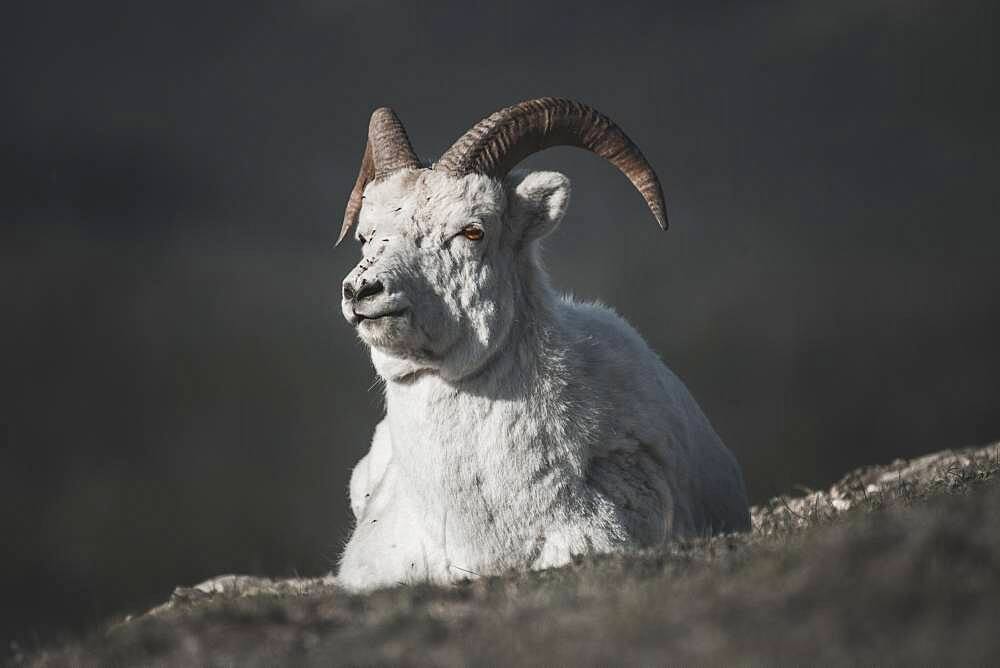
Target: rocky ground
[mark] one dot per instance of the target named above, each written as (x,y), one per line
(897,564)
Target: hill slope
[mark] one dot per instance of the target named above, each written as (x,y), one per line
(897,563)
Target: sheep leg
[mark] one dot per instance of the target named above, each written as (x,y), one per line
(369,472)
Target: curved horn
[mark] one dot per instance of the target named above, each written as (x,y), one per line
(496,144)
(387,150)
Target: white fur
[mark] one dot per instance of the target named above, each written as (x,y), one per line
(521,427)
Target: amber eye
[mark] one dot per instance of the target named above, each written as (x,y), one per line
(472,232)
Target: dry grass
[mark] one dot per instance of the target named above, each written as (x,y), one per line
(893,564)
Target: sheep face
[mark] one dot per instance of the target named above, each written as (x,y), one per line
(444,265)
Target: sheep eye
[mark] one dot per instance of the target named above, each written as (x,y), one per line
(362,239)
(472,232)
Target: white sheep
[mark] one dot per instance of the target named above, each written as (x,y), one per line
(521,427)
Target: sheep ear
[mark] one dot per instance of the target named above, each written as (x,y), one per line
(538,200)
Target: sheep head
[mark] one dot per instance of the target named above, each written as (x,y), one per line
(446,248)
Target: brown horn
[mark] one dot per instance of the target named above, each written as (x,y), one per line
(497,143)
(387,150)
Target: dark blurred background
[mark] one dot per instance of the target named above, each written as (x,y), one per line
(180,396)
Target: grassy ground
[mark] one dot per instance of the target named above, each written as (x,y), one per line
(892,564)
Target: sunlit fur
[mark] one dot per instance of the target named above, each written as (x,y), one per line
(521,427)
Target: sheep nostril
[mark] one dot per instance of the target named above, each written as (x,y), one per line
(348,292)
(368,289)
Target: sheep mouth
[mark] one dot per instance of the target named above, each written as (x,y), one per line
(358,318)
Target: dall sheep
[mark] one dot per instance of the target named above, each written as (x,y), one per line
(522,427)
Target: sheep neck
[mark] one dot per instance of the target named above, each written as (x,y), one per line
(505,412)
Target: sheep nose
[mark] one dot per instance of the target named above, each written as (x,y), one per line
(367,289)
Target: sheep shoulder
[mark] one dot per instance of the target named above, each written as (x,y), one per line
(648,414)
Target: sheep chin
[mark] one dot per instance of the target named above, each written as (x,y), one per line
(399,366)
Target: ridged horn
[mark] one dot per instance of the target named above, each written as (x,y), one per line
(496,144)
(387,150)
